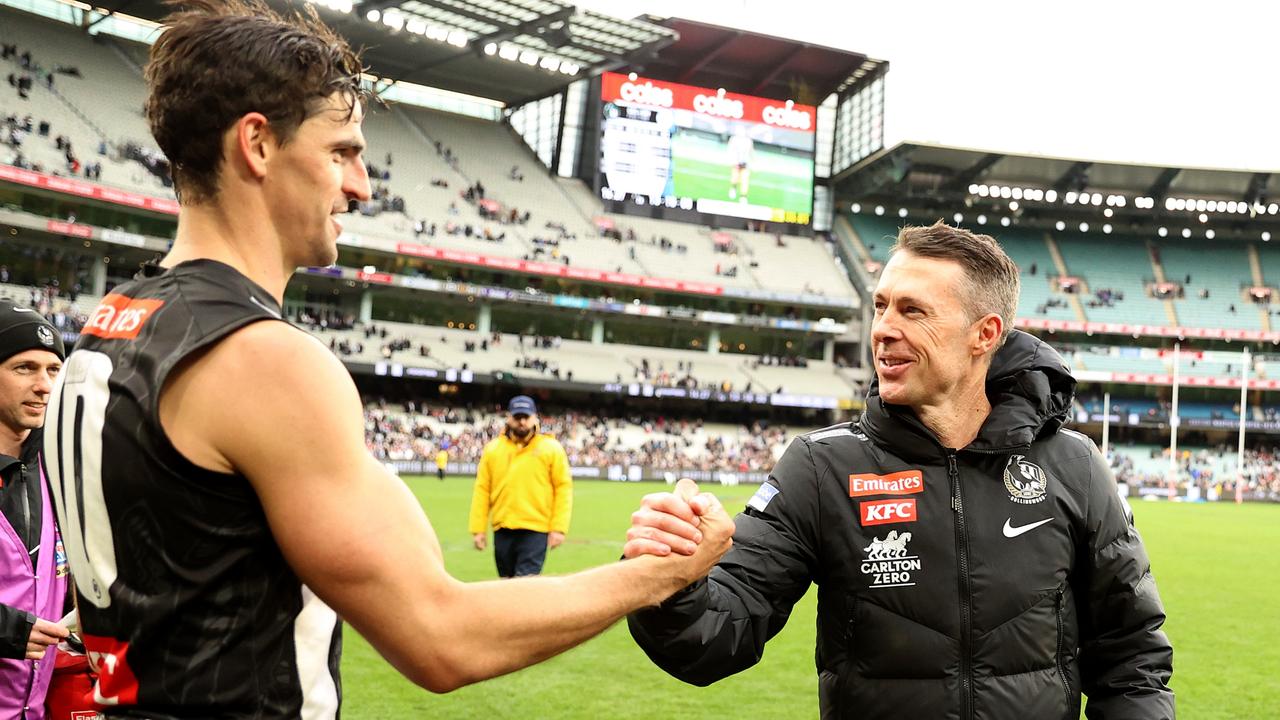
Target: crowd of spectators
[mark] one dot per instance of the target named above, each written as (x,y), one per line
(49,299)
(410,431)
(1206,468)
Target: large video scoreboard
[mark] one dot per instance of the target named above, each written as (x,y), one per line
(707,150)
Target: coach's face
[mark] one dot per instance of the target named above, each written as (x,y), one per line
(923,339)
(313,177)
(26,379)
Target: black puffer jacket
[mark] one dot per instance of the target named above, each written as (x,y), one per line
(998,581)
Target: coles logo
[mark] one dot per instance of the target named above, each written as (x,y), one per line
(787,116)
(906,482)
(718,105)
(647,94)
(881,512)
(119,317)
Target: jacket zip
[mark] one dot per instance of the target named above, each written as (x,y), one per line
(966,620)
(35,587)
(1062,673)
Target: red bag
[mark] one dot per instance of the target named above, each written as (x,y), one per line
(70,694)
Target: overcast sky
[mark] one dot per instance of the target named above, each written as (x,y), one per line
(1179,83)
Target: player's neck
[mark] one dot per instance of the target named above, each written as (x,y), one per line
(235,236)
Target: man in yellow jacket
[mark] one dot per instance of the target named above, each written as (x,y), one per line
(442,462)
(523,486)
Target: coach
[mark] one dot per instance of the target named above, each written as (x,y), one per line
(973,558)
(33,568)
(524,487)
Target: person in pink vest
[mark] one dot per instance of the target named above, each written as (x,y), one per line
(33,566)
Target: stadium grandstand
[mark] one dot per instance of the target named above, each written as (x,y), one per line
(515,241)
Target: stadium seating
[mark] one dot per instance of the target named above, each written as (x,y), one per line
(1115,359)
(1119,264)
(877,233)
(105,106)
(575,359)
(1025,247)
(1224,279)
(582,361)
(103,103)
(1039,298)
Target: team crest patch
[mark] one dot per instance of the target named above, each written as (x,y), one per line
(44,335)
(1025,481)
(889,562)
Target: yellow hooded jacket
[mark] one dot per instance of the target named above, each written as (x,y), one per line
(523,487)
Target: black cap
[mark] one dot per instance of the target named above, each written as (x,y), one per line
(23,329)
(522,405)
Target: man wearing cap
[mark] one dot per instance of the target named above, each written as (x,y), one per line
(33,566)
(524,489)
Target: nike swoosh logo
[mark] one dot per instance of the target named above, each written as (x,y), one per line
(1013,532)
(23,310)
(259,303)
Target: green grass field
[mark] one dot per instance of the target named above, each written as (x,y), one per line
(700,169)
(1217,567)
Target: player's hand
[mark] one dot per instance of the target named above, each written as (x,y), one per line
(479,540)
(44,634)
(717,536)
(554,540)
(667,522)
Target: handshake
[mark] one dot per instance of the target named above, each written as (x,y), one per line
(692,526)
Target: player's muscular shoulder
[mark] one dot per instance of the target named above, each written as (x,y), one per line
(250,382)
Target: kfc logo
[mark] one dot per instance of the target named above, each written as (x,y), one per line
(881,512)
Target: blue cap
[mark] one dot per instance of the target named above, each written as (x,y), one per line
(522,405)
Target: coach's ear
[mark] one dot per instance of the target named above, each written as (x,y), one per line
(987,333)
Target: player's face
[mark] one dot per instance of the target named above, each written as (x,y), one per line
(312,179)
(922,337)
(522,426)
(26,379)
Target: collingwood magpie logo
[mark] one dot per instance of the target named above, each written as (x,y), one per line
(1025,481)
(44,335)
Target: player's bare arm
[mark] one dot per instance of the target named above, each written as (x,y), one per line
(357,536)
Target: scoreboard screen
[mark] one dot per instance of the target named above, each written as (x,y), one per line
(706,150)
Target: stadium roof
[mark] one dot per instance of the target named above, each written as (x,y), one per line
(948,178)
(505,50)
(754,64)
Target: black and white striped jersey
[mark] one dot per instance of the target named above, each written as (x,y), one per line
(186,603)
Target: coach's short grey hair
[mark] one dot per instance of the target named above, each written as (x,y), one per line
(991,281)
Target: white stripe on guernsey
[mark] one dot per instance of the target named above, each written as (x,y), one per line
(312,638)
(830,434)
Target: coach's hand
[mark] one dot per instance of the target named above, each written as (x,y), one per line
(43,634)
(554,540)
(479,540)
(716,528)
(670,522)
